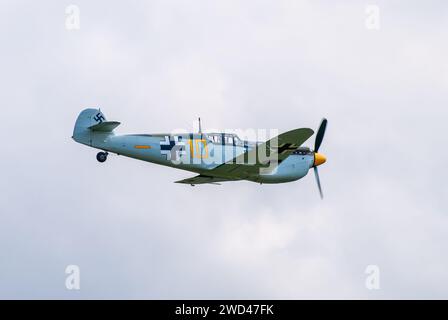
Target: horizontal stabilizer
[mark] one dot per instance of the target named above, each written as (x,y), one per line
(105,126)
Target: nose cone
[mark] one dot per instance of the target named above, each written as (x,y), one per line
(319,159)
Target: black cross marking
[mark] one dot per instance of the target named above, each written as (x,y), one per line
(286,147)
(172,147)
(166,147)
(99,117)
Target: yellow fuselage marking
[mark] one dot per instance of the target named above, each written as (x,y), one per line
(195,150)
(142,147)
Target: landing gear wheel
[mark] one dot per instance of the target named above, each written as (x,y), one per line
(101,157)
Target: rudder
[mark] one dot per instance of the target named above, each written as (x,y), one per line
(86,119)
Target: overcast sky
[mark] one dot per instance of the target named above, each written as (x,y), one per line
(158,65)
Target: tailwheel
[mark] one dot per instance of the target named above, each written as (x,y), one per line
(101,156)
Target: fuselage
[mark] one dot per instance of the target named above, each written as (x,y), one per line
(199,153)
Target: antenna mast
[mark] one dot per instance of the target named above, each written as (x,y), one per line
(200,128)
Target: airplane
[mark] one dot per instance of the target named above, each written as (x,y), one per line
(215,157)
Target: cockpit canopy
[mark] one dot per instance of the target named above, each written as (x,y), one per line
(225,138)
(233,140)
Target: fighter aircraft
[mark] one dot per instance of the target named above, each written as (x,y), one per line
(215,157)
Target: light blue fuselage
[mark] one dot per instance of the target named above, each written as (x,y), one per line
(203,157)
(199,153)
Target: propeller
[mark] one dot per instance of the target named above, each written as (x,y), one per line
(320,134)
(318,157)
(316,174)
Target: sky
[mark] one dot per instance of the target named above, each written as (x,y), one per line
(158,65)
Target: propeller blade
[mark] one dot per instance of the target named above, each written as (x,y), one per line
(320,134)
(316,174)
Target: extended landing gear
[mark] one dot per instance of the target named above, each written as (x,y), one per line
(101,156)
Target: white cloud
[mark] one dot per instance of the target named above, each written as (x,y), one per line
(158,65)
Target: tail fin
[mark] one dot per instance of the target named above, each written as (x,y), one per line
(90,121)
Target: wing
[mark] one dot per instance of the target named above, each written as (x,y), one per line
(201,179)
(266,155)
